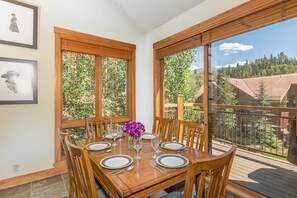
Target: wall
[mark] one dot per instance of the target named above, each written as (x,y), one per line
(27,131)
(189,18)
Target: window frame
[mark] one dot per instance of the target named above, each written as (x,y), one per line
(68,40)
(243,18)
(210,31)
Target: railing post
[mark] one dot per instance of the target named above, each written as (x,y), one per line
(180,107)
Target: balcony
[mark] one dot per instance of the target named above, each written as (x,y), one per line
(264,136)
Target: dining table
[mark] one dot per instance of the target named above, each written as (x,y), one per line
(144,179)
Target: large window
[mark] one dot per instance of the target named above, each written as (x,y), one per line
(249,89)
(94,78)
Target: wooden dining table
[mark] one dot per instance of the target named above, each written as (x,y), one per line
(143,180)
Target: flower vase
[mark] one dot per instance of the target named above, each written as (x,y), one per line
(130,142)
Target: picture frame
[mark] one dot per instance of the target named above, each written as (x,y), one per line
(18,24)
(18,81)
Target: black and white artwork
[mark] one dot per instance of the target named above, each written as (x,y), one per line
(18,81)
(18,24)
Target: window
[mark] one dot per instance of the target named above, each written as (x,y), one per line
(244,55)
(94,78)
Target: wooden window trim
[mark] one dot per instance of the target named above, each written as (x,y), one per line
(98,46)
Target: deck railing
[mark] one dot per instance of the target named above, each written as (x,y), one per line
(264,129)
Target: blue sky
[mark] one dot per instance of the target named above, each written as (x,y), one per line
(273,39)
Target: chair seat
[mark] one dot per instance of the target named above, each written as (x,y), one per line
(177,187)
(102,193)
(173,195)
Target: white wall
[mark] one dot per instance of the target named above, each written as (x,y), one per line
(203,11)
(27,131)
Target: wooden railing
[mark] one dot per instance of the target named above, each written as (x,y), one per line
(264,129)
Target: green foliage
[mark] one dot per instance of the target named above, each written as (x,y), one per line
(78,85)
(266,134)
(178,79)
(114,74)
(274,65)
(262,97)
(227,95)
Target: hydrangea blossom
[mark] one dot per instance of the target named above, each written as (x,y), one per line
(133,129)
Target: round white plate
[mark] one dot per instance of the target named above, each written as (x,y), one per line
(172,161)
(174,146)
(97,146)
(148,136)
(116,161)
(109,136)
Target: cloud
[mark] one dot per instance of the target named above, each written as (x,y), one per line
(235,64)
(193,67)
(232,48)
(231,64)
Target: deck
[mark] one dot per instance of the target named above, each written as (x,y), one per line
(264,175)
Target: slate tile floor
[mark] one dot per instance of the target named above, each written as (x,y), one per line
(52,187)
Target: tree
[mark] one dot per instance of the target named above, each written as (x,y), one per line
(177,76)
(226,95)
(266,135)
(178,79)
(262,97)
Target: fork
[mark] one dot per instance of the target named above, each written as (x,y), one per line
(154,165)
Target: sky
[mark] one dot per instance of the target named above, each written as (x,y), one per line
(272,39)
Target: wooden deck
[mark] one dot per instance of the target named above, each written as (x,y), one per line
(264,175)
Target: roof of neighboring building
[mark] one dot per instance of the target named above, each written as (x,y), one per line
(276,86)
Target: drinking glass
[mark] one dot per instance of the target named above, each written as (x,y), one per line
(137,147)
(159,137)
(120,132)
(114,135)
(155,145)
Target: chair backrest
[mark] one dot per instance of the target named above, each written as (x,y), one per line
(217,168)
(163,127)
(193,133)
(95,127)
(82,170)
(72,182)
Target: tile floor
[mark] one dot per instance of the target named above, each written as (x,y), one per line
(52,187)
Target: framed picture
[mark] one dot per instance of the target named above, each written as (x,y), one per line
(18,24)
(18,81)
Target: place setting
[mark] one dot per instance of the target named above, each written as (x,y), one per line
(99,147)
(119,163)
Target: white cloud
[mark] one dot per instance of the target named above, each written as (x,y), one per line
(193,67)
(235,64)
(231,64)
(232,48)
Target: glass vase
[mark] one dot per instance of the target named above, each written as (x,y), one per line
(130,142)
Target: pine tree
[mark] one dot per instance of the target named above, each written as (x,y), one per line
(227,95)
(266,135)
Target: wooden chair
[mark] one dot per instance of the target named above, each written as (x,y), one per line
(192,134)
(163,127)
(83,173)
(72,182)
(217,169)
(95,127)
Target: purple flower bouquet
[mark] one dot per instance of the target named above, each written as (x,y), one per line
(133,129)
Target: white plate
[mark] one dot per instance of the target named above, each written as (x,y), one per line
(148,136)
(174,146)
(172,161)
(98,146)
(109,136)
(116,161)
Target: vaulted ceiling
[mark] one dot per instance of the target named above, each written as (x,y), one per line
(149,14)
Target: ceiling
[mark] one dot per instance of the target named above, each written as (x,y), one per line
(149,14)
